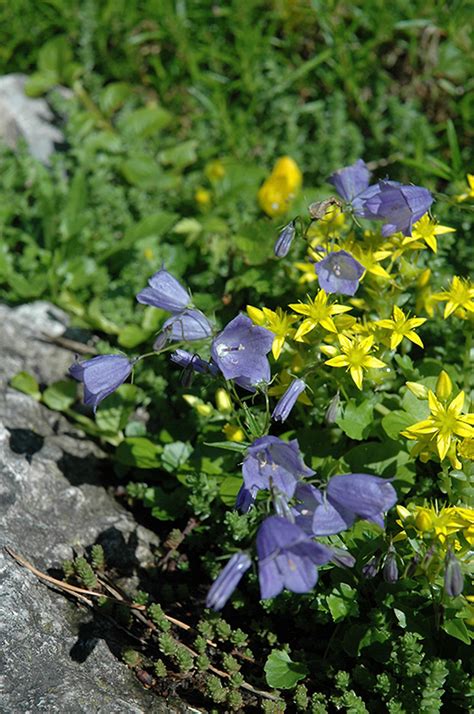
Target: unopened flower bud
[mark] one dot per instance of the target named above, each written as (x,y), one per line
(342,557)
(288,400)
(453,577)
(444,386)
(390,568)
(423,521)
(369,570)
(284,240)
(332,410)
(223,401)
(419,390)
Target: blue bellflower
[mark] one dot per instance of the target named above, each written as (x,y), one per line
(271,462)
(287,558)
(288,400)
(347,497)
(227,580)
(240,352)
(351,181)
(165,292)
(339,272)
(188,325)
(398,205)
(101,375)
(187,360)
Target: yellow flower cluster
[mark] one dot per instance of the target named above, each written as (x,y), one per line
(438,524)
(279,189)
(446,432)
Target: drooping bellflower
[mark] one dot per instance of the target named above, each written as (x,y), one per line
(347,497)
(101,376)
(287,558)
(227,580)
(351,181)
(165,292)
(188,325)
(339,272)
(288,400)
(240,351)
(272,462)
(398,205)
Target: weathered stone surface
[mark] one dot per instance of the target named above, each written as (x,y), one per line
(22,116)
(56,658)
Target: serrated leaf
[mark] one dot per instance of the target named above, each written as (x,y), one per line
(141,171)
(181,155)
(26,383)
(281,672)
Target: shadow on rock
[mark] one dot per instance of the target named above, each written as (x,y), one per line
(84,468)
(25,441)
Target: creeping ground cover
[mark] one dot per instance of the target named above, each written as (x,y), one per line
(323,475)
(260,224)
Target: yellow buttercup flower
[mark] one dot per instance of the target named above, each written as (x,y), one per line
(426,229)
(356,357)
(276,193)
(458,298)
(203,197)
(319,312)
(274,196)
(470,192)
(287,167)
(233,433)
(277,321)
(215,170)
(401,326)
(444,424)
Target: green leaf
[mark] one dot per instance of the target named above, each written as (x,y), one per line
(60,395)
(395,422)
(132,335)
(145,122)
(342,602)
(113,96)
(356,419)
(140,452)
(229,489)
(181,155)
(457,628)
(165,505)
(141,171)
(175,455)
(239,447)
(26,383)
(114,411)
(281,672)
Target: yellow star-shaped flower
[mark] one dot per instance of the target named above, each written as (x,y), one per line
(355,356)
(443,424)
(459,297)
(319,312)
(277,321)
(402,326)
(426,229)
(370,259)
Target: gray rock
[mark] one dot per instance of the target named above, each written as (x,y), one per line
(31,119)
(57,658)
